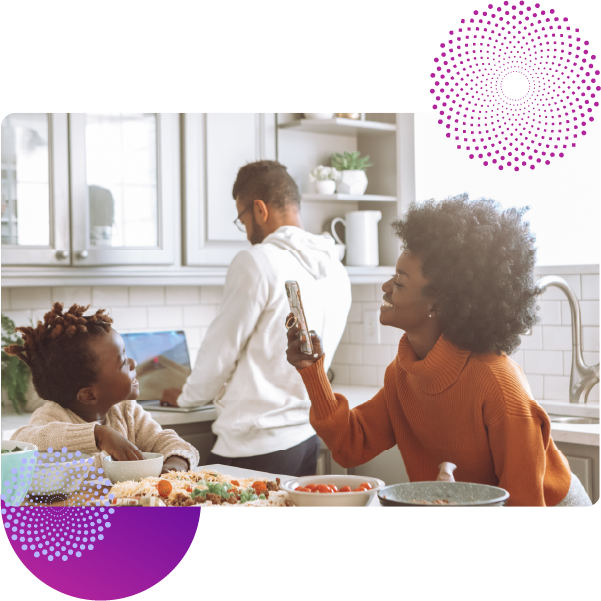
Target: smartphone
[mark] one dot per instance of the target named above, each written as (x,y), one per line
(296,307)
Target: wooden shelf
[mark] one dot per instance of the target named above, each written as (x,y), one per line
(339,126)
(347,198)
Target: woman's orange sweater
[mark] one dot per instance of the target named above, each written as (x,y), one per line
(474,410)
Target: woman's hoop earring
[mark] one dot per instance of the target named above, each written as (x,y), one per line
(292,319)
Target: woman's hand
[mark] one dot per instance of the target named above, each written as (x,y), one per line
(175,463)
(115,444)
(170,396)
(295,356)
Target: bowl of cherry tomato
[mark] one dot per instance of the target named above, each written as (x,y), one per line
(332,491)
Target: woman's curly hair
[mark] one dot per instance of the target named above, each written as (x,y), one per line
(479,261)
(58,352)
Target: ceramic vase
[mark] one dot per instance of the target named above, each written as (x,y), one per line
(352,181)
(325,186)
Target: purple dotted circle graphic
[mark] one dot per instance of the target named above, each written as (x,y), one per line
(515,86)
(57,534)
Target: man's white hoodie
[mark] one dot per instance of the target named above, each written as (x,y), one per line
(262,404)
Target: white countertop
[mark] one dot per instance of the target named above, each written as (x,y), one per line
(586,434)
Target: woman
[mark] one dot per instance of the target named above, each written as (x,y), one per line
(463,292)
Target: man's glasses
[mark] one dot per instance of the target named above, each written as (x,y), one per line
(239,223)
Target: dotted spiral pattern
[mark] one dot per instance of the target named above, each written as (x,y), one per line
(57,533)
(515,40)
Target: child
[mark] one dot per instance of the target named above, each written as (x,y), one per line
(79,364)
(463,292)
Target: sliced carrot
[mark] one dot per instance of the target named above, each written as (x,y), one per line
(235,482)
(259,487)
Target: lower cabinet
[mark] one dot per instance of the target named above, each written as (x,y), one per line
(584,462)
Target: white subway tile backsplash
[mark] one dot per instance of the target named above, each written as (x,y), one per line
(21,318)
(355,314)
(211,295)
(589,313)
(356,333)
(594,393)
(534,341)
(192,337)
(375,306)
(518,357)
(381,374)
(363,292)
(536,386)
(377,354)
(31,298)
(557,338)
(390,335)
(201,315)
(341,373)
(363,375)
(590,339)
(82,295)
(130,318)
(346,335)
(147,295)
(550,313)
(182,295)
(165,317)
(555,293)
(567,363)
(349,354)
(590,287)
(110,296)
(556,388)
(590,358)
(5,299)
(543,362)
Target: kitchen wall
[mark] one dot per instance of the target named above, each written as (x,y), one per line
(545,355)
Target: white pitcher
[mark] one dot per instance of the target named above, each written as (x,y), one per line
(361,237)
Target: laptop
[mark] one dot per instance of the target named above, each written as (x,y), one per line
(163,362)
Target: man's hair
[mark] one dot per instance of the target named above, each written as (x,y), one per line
(268,181)
(58,351)
(479,261)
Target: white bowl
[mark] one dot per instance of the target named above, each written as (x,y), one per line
(60,472)
(122,471)
(337,499)
(319,115)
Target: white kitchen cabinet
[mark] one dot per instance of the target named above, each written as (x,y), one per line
(215,146)
(84,190)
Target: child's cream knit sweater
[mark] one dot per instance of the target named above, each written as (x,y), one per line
(54,426)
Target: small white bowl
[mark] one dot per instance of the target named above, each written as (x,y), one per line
(337,499)
(122,471)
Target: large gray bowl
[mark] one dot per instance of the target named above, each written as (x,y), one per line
(458,494)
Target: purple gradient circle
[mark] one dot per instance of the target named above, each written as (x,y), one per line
(147,543)
(556,84)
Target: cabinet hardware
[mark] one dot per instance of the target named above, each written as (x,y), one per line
(82,254)
(62,254)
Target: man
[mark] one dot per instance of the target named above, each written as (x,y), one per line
(262,405)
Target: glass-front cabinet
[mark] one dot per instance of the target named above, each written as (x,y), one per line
(90,189)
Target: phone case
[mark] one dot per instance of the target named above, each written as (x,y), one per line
(296,307)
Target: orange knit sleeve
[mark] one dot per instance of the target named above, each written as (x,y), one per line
(354,436)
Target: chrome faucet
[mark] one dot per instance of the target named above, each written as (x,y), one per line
(582,377)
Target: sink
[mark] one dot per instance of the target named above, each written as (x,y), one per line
(565,419)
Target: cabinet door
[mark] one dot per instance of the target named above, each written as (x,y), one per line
(216,145)
(124,188)
(35,189)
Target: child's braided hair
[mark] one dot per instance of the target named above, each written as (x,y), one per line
(57,351)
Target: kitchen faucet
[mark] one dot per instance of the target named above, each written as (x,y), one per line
(582,377)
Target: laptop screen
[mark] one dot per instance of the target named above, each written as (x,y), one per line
(162,358)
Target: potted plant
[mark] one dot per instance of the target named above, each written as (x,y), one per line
(325,179)
(352,166)
(15,374)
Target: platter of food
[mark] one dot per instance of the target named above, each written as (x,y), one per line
(205,487)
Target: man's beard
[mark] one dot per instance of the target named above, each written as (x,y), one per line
(257,235)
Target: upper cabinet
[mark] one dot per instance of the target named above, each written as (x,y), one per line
(90,189)
(215,146)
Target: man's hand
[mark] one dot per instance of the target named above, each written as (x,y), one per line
(115,444)
(176,464)
(170,397)
(295,356)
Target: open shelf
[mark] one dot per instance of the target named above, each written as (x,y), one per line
(339,126)
(346,197)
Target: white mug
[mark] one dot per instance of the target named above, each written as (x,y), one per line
(361,237)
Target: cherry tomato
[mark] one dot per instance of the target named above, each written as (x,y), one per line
(360,489)
(259,487)
(323,488)
(164,487)
(311,487)
(345,489)
(333,487)
(188,487)
(302,489)
(366,485)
